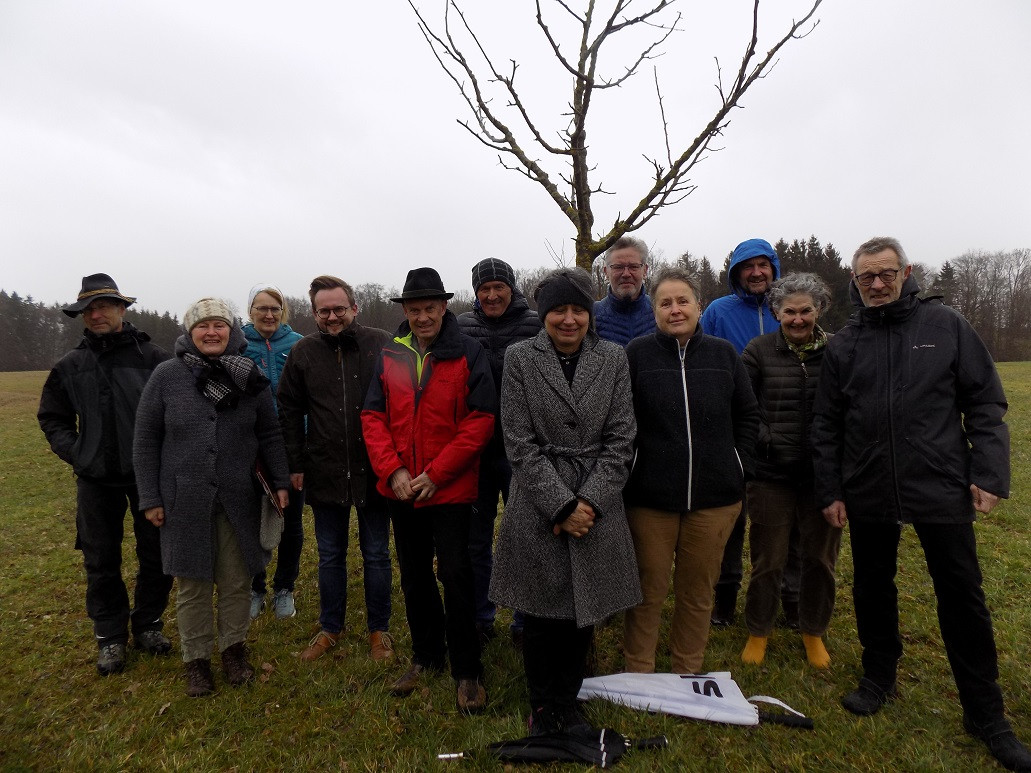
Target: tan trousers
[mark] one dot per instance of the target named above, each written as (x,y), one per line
(193,604)
(691,543)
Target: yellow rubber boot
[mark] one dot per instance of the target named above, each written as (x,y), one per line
(815,652)
(755,650)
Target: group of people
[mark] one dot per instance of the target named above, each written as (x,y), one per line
(624,437)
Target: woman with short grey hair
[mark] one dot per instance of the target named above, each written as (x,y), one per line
(784,368)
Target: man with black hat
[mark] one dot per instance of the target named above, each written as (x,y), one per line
(500,317)
(88,412)
(429,414)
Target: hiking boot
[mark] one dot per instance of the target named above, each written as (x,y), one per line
(868,697)
(257,604)
(111,659)
(235,666)
(381,647)
(1001,741)
(320,644)
(408,681)
(470,696)
(199,681)
(153,643)
(282,604)
(572,720)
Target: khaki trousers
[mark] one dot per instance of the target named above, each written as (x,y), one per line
(194,601)
(691,544)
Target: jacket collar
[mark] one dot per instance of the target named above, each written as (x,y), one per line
(624,306)
(448,343)
(516,307)
(588,367)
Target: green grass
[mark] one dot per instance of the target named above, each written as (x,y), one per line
(56,713)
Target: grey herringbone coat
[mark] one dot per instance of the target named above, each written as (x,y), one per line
(566,443)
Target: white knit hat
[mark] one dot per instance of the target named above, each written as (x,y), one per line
(207,308)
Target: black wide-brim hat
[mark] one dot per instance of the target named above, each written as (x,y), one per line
(96,286)
(421,284)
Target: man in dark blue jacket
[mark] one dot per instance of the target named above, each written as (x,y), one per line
(626,311)
(908,428)
(88,413)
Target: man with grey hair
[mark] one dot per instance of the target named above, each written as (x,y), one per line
(909,429)
(626,311)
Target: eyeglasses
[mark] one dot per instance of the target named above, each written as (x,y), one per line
(275,311)
(887,277)
(337,311)
(619,268)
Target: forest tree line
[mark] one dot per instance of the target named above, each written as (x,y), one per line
(991,289)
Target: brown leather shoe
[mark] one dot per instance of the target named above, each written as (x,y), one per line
(321,644)
(381,647)
(199,680)
(470,696)
(235,666)
(408,681)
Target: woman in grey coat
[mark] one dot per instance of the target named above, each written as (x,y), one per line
(564,555)
(202,421)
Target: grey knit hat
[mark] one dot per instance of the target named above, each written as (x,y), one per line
(492,270)
(562,286)
(205,309)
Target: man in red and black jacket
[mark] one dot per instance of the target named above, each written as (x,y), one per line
(428,416)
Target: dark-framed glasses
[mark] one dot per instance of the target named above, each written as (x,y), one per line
(336,311)
(887,277)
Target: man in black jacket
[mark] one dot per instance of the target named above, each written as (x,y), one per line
(500,317)
(909,429)
(321,394)
(88,412)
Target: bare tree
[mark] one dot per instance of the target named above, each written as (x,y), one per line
(502,121)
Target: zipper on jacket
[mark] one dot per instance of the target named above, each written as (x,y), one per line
(687,423)
(891,422)
(803,434)
(347,416)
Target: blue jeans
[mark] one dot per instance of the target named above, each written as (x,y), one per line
(331,527)
(288,556)
(495,477)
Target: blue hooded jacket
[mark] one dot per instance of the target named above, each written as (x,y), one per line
(741,316)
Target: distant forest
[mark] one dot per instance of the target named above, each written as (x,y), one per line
(991,289)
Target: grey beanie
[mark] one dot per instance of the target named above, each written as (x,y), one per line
(492,270)
(207,308)
(562,286)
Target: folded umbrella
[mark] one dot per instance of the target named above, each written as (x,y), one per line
(584,744)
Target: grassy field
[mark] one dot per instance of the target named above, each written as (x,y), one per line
(56,713)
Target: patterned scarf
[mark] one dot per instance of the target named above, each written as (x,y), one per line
(804,350)
(223,379)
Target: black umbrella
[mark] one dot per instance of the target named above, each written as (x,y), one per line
(602,748)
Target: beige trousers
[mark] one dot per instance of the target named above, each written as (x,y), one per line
(691,544)
(193,604)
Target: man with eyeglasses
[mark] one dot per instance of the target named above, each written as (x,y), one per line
(909,429)
(88,413)
(321,394)
(626,310)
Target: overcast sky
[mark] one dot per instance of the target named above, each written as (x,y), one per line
(196,148)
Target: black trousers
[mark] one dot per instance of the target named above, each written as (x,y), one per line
(554,656)
(438,628)
(99,525)
(963,617)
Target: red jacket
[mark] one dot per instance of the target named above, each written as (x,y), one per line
(438,424)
